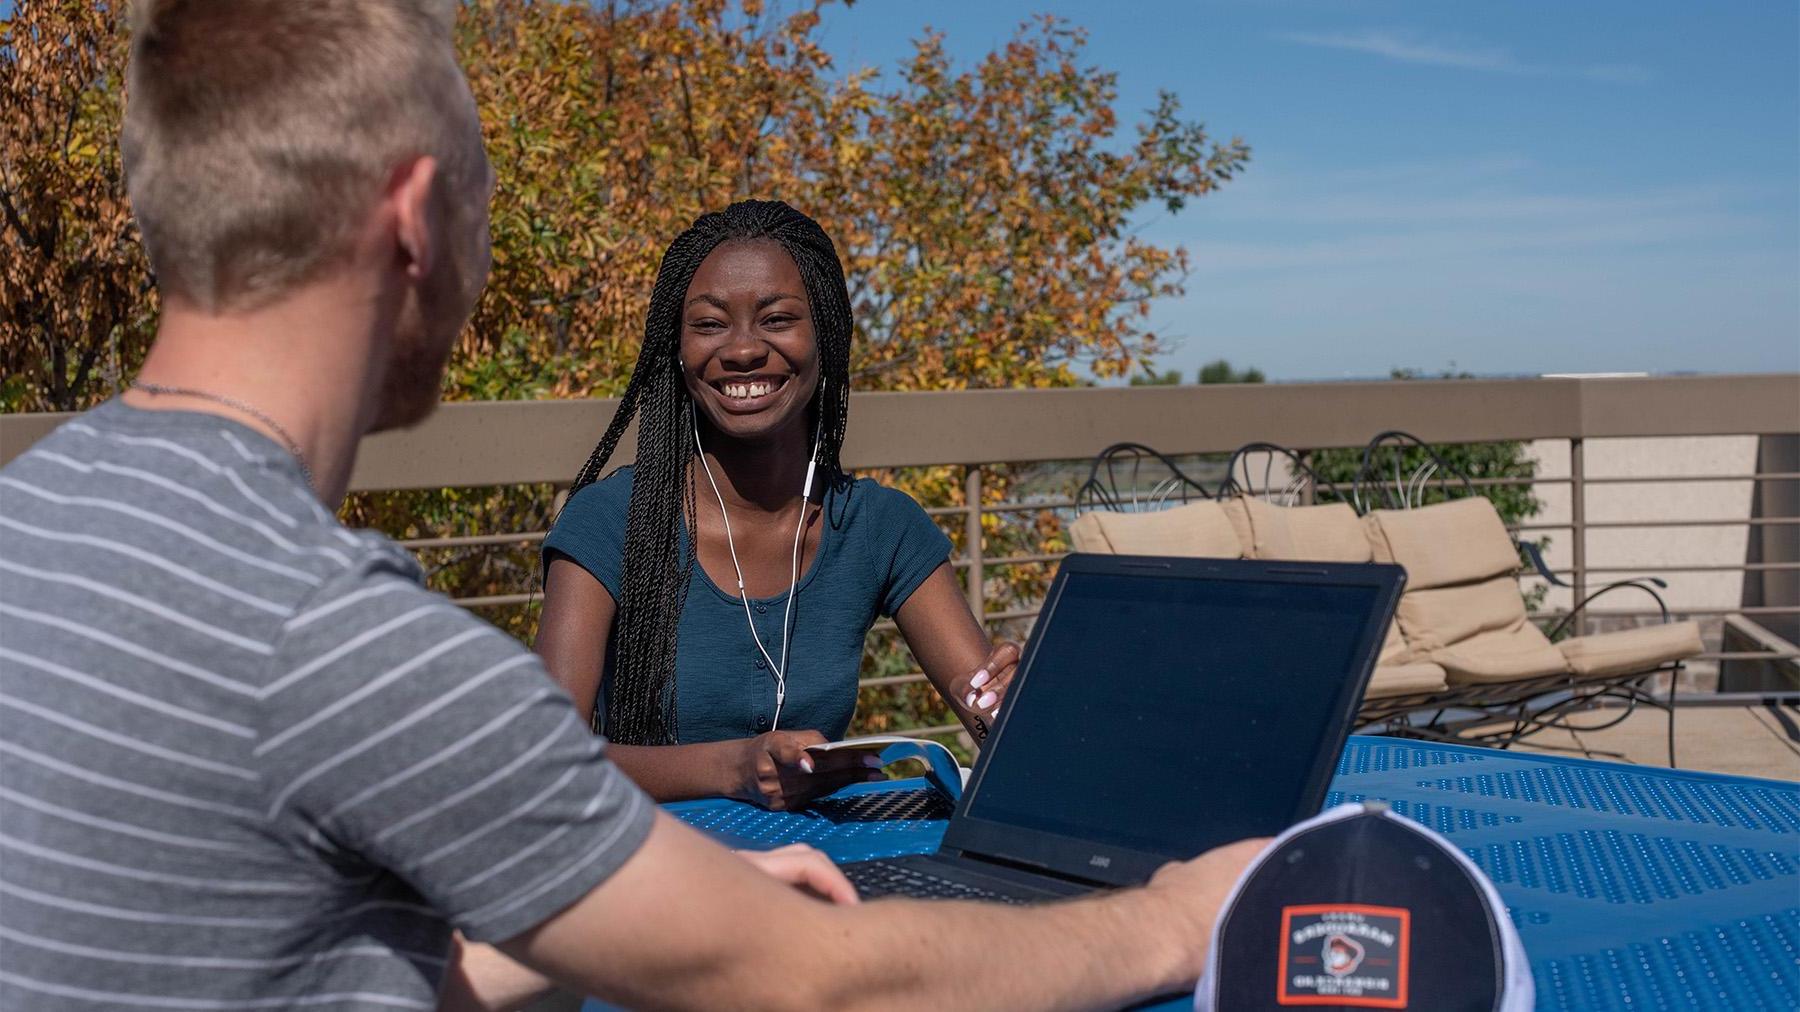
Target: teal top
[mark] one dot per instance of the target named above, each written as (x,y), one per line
(876,548)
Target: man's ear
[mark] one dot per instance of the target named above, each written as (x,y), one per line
(409,195)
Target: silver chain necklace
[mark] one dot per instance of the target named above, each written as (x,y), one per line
(293,446)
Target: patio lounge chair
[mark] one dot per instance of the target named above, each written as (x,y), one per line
(1462,611)
(1461,662)
(1138,502)
(1270,527)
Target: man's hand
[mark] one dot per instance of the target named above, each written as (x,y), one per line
(1194,891)
(775,771)
(805,869)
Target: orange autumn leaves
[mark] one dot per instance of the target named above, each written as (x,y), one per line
(984,212)
(75,299)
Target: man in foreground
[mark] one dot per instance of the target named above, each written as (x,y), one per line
(246,760)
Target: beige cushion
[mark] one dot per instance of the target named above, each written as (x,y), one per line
(1394,649)
(1461,541)
(1327,533)
(1085,536)
(1441,616)
(1477,631)
(1505,655)
(1619,653)
(1405,680)
(1198,530)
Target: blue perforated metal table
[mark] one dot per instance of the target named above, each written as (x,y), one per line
(1632,887)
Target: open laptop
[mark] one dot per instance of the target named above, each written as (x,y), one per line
(1164,706)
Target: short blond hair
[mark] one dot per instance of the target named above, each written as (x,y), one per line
(258,133)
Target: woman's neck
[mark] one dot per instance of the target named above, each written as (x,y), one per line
(764,475)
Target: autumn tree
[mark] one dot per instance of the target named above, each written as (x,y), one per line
(983,212)
(75,298)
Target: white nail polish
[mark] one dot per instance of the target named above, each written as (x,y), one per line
(980,679)
(987,699)
(970,701)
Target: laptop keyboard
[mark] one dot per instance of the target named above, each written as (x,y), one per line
(881,878)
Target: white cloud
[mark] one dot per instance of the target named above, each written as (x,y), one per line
(1488,261)
(1309,221)
(1410,47)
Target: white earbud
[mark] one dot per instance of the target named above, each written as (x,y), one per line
(779,670)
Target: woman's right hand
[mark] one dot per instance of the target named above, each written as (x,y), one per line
(775,771)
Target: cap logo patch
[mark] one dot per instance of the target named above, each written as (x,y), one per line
(1344,954)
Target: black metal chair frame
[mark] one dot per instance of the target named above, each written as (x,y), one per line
(1465,714)
(1468,713)
(1105,491)
(1303,485)
(1434,471)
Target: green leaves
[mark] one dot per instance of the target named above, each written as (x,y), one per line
(980,211)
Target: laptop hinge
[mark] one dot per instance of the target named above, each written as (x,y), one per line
(1028,868)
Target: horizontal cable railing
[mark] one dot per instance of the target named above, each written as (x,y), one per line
(539,444)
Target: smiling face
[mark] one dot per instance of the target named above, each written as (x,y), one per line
(748,353)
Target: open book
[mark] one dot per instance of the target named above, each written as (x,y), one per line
(941,768)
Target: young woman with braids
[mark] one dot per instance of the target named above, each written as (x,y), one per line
(742,384)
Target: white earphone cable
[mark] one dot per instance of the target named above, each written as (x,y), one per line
(779,671)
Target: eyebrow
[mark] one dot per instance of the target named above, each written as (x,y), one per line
(761,304)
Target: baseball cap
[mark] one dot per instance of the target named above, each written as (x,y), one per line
(1360,908)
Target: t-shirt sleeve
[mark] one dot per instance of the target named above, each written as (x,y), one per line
(400,731)
(914,545)
(590,530)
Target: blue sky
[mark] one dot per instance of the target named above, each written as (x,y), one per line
(1519,187)
(1515,187)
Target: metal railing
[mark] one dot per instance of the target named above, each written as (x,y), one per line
(515,443)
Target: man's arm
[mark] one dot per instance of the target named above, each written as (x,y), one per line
(682,924)
(407,731)
(481,978)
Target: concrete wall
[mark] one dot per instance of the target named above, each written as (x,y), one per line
(1628,549)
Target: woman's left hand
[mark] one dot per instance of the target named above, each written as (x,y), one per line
(983,691)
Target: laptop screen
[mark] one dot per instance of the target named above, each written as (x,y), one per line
(1168,714)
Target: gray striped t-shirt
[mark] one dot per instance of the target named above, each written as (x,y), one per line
(246,759)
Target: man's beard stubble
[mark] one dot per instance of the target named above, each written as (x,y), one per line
(414,380)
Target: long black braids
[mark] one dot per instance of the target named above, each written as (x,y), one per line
(639,700)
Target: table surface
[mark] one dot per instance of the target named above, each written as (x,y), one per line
(1632,887)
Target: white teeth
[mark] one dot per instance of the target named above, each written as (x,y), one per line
(746,391)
